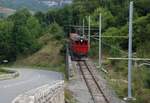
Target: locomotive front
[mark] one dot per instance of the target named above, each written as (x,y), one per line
(78,47)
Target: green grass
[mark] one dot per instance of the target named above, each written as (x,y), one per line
(117,78)
(3,71)
(68,97)
(49,57)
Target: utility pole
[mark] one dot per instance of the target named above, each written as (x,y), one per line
(89,31)
(100,35)
(67,62)
(83,28)
(130,53)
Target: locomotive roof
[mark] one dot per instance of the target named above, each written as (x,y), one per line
(77,37)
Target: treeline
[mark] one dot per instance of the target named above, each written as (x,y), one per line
(19,33)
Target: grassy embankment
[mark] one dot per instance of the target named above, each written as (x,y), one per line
(3,71)
(48,56)
(68,97)
(117,78)
(118,73)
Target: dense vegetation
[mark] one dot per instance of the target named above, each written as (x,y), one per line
(18,35)
(20,32)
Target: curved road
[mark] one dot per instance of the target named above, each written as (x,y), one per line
(27,80)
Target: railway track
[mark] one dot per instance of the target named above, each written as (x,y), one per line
(91,82)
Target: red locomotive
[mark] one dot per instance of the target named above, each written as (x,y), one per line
(78,47)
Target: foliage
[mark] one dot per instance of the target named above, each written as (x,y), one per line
(143,7)
(6,28)
(56,31)
(107,17)
(93,49)
(18,35)
(68,97)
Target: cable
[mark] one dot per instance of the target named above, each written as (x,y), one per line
(123,52)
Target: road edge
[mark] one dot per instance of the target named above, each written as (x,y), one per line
(11,74)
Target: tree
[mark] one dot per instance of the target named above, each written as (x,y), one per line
(41,18)
(25,31)
(6,47)
(34,27)
(107,18)
(20,17)
(143,7)
(56,31)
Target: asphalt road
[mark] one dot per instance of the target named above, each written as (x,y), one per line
(28,79)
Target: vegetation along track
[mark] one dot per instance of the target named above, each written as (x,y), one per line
(91,82)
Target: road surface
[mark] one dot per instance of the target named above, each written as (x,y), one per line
(28,79)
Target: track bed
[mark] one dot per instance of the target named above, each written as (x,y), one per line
(91,82)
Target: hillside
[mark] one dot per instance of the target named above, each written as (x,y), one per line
(6,10)
(48,56)
(34,5)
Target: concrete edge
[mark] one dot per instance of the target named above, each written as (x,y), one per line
(40,92)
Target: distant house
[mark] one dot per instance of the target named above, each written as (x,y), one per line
(51,3)
(56,3)
(6,11)
(64,2)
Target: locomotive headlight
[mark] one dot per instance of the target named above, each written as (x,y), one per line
(81,40)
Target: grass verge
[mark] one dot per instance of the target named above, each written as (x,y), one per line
(68,97)
(49,56)
(3,71)
(117,78)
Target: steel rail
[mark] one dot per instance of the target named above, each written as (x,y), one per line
(88,74)
(80,67)
(94,78)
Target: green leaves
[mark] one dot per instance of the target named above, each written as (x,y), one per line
(56,31)
(34,26)
(18,34)
(107,18)
(143,7)
(6,28)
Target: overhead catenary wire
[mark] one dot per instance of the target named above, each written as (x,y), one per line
(135,59)
(126,37)
(112,47)
(123,52)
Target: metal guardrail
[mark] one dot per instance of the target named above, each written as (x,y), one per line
(45,94)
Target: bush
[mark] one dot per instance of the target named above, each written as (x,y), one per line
(56,31)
